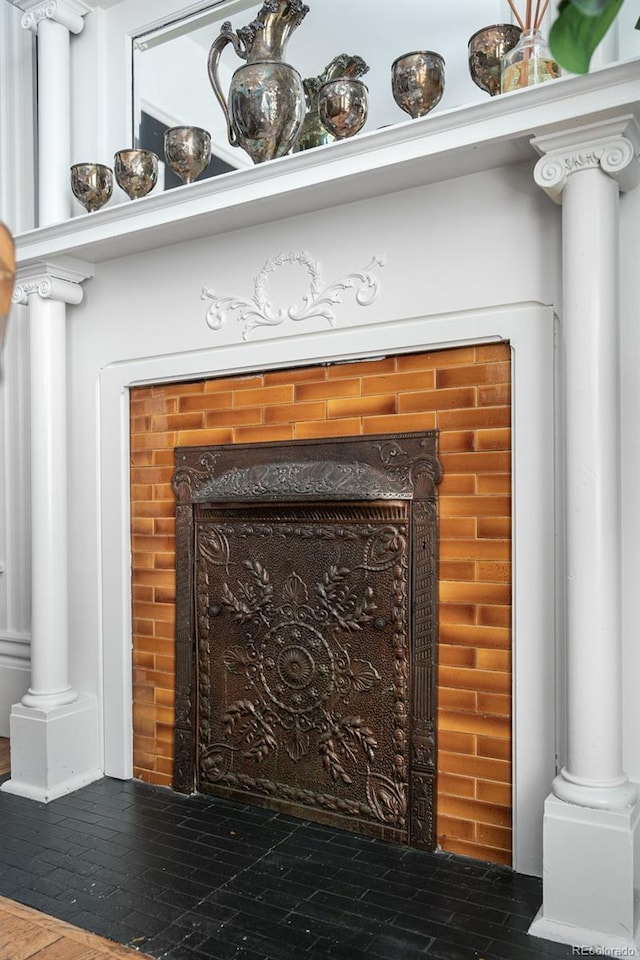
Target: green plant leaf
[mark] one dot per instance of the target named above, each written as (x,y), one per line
(574,35)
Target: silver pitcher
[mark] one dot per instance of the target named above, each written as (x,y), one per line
(266,105)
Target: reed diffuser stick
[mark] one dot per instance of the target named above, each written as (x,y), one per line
(536,14)
(527,16)
(514,10)
(540,18)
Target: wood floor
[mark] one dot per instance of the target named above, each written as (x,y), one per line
(26,934)
(4,756)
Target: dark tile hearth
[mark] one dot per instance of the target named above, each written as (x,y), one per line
(199,878)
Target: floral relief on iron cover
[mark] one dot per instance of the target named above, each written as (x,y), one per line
(299,673)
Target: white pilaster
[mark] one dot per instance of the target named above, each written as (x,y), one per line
(53,22)
(53,730)
(590,823)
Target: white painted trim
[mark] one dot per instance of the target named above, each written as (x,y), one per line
(529,329)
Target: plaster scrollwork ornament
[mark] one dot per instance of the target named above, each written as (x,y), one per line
(68,13)
(317,303)
(616,157)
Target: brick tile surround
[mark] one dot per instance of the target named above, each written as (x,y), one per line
(465,394)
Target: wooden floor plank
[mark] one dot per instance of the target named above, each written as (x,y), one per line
(27,934)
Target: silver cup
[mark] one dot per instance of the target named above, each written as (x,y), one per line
(136,171)
(417,81)
(187,150)
(343,106)
(487,47)
(92,184)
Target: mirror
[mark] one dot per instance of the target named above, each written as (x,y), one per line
(171,85)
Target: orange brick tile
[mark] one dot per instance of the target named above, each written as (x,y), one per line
(493,571)
(164,458)
(478,767)
(166,664)
(477,851)
(487,352)
(295,375)
(361,407)
(151,475)
(493,483)
(493,439)
(475,418)
(449,826)
(473,375)
(165,732)
(140,406)
(494,616)
(453,484)
(362,368)
(456,786)
(196,438)
(180,421)
(456,441)
(494,660)
(204,404)
(483,681)
(221,385)
(478,724)
(399,423)
(455,591)
(495,394)
(164,595)
(141,458)
(151,441)
(155,645)
(153,544)
(456,742)
(477,811)
(178,389)
(496,747)
(292,412)
(312,430)
(457,527)
(166,698)
(165,560)
(156,611)
(474,506)
(493,836)
(142,525)
(167,630)
(400,383)
(140,424)
(456,656)
(142,659)
(144,693)
(457,699)
(264,434)
(262,396)
(142,593)
(156,577)
(437,399)
(436,358)
(491,792)
(155,508)
(493,462)
(494,528)
(164,765)
(217,419)
(496,703)
(328,389)
(475,636)
(474,549)
(457,570)
(142,627)
(458,613)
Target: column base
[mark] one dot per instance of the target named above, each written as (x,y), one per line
(591,867)
(53,751)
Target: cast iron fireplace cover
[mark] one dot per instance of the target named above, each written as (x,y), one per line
(306,629)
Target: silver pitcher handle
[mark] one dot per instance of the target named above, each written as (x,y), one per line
(227,35)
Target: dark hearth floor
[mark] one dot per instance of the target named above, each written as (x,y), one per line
(197,878)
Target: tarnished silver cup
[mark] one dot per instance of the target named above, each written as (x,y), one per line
(187,150)
(92,184)
(417,81)
(343,106)
(487,47)
(136,171)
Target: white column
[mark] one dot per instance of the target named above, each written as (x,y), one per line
(591,817)
(53,22)
(53,730)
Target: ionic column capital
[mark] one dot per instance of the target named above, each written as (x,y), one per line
(68,13)
(52,282)
(612,147)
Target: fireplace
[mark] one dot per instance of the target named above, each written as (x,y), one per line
(464,393)
(306,629)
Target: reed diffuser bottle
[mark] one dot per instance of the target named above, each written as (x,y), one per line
(530,61)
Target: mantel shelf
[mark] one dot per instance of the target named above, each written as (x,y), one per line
(447,145)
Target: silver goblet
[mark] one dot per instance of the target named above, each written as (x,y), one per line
(343,106)
(92,184)
(187,151)
(417,81)
(136,171)
(487,47)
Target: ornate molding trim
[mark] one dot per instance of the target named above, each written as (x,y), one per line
(53,281)
(68,13)
(615,153)
(318,302)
